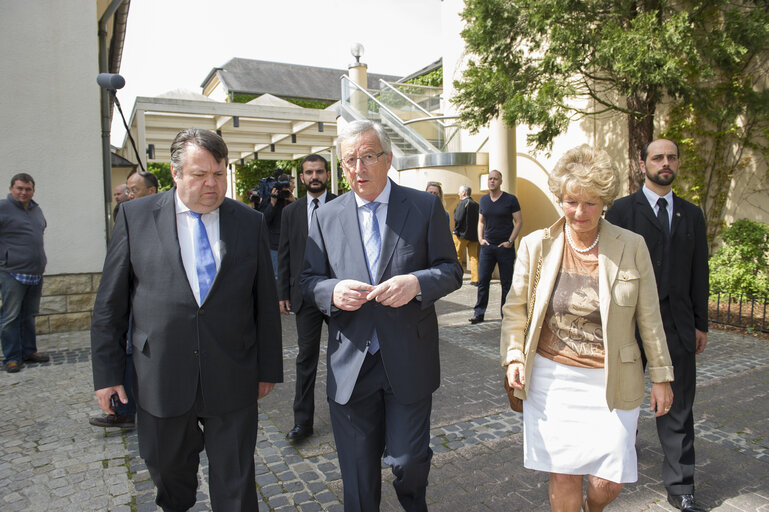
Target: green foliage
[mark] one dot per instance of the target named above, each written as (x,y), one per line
(545,63)
(162,171)
(241,98)
(740,265)
(319,104)
(718,123)
(434,78)
(247,176)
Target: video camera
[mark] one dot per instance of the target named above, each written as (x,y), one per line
(262,191)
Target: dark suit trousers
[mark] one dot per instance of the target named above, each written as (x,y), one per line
(171,447)
(309,326)
(676,428)
(372,420)
(492,255)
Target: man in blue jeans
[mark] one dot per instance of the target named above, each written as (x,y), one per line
(22,263)
(499,223)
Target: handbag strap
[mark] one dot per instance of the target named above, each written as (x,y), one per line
(533,297)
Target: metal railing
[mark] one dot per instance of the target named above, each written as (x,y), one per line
(405,114)
(739,310)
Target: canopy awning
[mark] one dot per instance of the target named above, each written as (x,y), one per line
(267,128)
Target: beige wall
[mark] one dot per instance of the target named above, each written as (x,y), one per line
(50,124)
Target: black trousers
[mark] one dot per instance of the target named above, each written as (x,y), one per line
(491,256)
(309,326)
(676,428)
(374,423)
(171,446)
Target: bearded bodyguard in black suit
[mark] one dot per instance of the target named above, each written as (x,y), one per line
(194,269)
(675,233)
(309,320)
(377,260)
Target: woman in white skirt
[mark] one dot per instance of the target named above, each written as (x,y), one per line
(568,343)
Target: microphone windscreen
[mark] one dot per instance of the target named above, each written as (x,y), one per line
(110,81)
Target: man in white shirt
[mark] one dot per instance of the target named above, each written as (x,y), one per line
(295,221)
(674,230)
(193,269)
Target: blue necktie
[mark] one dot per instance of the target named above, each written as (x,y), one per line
(204,257)
(372,243)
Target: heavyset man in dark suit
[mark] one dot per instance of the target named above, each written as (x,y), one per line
(309,320)
(674,231)
(194,269)
(377,260)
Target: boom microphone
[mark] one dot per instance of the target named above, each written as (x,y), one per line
(110,81)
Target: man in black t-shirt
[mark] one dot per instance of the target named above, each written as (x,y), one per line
(499,223)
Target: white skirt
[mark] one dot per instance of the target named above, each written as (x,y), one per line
(568,428)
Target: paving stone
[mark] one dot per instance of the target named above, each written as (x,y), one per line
(52,460)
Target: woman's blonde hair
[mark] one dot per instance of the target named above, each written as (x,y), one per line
(585,170)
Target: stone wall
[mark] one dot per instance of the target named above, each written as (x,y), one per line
(67,302)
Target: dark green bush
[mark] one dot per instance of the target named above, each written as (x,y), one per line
(740,264)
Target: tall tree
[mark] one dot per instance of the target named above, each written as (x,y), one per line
(724,127)
(545,63)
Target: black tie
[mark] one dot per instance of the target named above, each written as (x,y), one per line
(662,215)
(314,206)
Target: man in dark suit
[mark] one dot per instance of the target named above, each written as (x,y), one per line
(466,231)
(377,260)
(194,270)
(309,320)
(674,231)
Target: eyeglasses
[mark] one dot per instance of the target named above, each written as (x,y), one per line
(366,160)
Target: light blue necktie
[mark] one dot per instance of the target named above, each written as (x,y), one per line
(204,257)
(372,243)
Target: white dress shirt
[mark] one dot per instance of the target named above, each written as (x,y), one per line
(381,212)
(652,197)
(311,205)
(184,228)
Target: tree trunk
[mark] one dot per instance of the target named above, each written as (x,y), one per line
(640,131)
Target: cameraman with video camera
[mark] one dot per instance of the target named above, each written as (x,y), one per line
(281,195)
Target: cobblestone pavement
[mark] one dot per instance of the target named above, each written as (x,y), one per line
(51,459)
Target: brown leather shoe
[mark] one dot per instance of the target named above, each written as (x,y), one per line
(37,357)
(13,367)
(113,420)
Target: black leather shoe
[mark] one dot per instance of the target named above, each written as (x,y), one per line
(113,420)
(474,283)
(685,503)
(476,319)
(299,432)
(37,357)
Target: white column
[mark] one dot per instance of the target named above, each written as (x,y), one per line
(502,151)
(359,75)
(332,170)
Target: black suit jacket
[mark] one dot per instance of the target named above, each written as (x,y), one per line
(688,286)
(227,345)
(466,219)
(415,239)
(293,240)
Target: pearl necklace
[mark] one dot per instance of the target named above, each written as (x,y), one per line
(571,242)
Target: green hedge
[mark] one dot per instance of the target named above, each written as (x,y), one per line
(740,264)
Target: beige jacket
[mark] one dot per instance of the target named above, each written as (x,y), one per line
(627,294)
